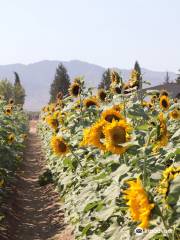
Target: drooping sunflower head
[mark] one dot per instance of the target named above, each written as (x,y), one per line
(94,136)
(116,89)
(175,100)
(59,146)
(75,89)
(164,93)
(11,138)
(102,95)
(164,102)
(162,133)
(116,134)
(1,97)
(91,101)
(169,174)
(110,114)
(175,114)
(138,202)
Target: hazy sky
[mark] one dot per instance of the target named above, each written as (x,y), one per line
(105,32)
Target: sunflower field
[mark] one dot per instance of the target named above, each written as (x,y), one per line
(13,128)
(115,159)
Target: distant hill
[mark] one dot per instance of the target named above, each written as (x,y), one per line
(37,77)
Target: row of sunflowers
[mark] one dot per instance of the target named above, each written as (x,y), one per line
(115,158)
(13,128)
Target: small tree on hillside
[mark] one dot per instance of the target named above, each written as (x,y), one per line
(61,83)
(6,89)
(138,70)
(106,80)
(19,92)
(167,78)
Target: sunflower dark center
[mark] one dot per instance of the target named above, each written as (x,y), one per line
(164,103)
(76,90)
(119,135)
(90,103)
(110,117)
(102,95)
(62,146)
(118,90)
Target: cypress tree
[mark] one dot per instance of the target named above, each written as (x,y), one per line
(106,80)
(138,69)
(19,91)
(167,78)
(61,83)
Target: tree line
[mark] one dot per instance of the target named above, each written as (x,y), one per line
(61,81)
(61,84)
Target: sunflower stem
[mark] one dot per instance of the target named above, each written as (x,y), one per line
(76,157)
(80,100)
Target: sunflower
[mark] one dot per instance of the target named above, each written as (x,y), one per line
(11,101)
(1,97)
(92,101)
(116,89)
(164,93)
(169,174)
(59,146)
(8,110)
(75,89)
(102,94)
(115,78)
(116,134)
(118,107)
(93,136)
(164,102)
(175,100)
(162,133)
(52,121)
(110,114)
(175,114)
(138,202)
(11,138)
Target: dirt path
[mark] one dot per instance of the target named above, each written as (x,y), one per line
(35,210)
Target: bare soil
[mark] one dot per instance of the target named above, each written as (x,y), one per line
(33,212)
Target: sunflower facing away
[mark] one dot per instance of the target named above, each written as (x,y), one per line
(92,101)
(116,134)
(162,133)
(111,114)
(74,89)
(137,200)
(94,136)
(168,175)
(164,102)
(59,146)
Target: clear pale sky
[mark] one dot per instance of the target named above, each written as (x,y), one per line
(105,32)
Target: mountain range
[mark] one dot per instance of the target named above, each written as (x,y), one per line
(37,77)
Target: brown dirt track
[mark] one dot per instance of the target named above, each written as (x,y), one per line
(33,212)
